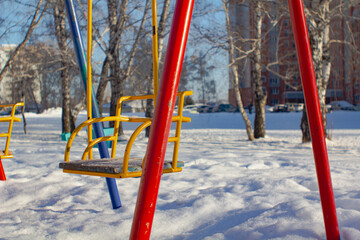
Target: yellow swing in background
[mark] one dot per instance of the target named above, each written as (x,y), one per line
(126,166)
(6,153)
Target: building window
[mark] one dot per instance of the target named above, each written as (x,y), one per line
(263,79)
(274,91)
(356,85)
(274,82)
(286,22)
(274,101)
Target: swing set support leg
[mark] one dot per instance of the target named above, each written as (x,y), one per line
(153,166)
(302,41)
(98,128)
(2,172)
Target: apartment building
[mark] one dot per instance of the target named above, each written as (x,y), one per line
(283,82)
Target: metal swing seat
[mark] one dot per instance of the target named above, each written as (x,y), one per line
(126,166)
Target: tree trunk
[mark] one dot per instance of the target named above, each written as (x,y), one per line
(116,24)
(61,36)
(65,87)
(259,95)
(31,93)
(23,115)
(319,34)
(75,112)
(234,69)
(304,126)
(162,26)
(116,93)
(100,93)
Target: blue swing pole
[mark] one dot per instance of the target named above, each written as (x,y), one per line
(98,128)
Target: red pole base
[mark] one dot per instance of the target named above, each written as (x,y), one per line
(2,172)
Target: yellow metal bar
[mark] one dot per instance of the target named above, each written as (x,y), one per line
(145,123)
(109,175)
(155,49)
(12,105)
(8,155)
(131,142)
(89,77)
(8,119)
(85,124)
(130,98)
(173,139)
(115,134)
(177,131)
(119,175)
(96,141)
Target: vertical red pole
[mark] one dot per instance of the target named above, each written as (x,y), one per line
(154,161)
(2,172)
(302,41)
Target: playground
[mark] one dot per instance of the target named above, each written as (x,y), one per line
(230,188)
(233,188)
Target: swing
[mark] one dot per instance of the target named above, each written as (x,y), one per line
(122,167)
(6,153)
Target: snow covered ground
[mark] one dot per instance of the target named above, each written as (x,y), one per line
(230,188)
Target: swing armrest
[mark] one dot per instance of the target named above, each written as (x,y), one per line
(13,108)
(181,96)
(8,119)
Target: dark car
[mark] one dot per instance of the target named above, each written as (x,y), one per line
(280,108)
(224,108)
(202,108)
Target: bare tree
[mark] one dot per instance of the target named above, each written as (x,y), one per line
(319,16)
(235,72)
(259,94)
(62,37)
(26,77)
(35,20)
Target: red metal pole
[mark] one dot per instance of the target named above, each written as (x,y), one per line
(302,41)
(2,172)
(154,161)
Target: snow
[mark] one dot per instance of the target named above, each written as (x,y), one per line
(230,188)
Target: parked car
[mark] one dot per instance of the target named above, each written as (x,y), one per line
(202,108)
(269,108)
(328,108)
(209,109)
(294,107)
(224,108)
(342,105)
(280,108)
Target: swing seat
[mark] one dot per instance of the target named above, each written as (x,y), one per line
(125,166)
(110,167)
(6,153)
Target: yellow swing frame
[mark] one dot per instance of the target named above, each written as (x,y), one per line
(6,153)
(122,167)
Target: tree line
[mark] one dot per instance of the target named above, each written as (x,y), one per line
(44,59)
